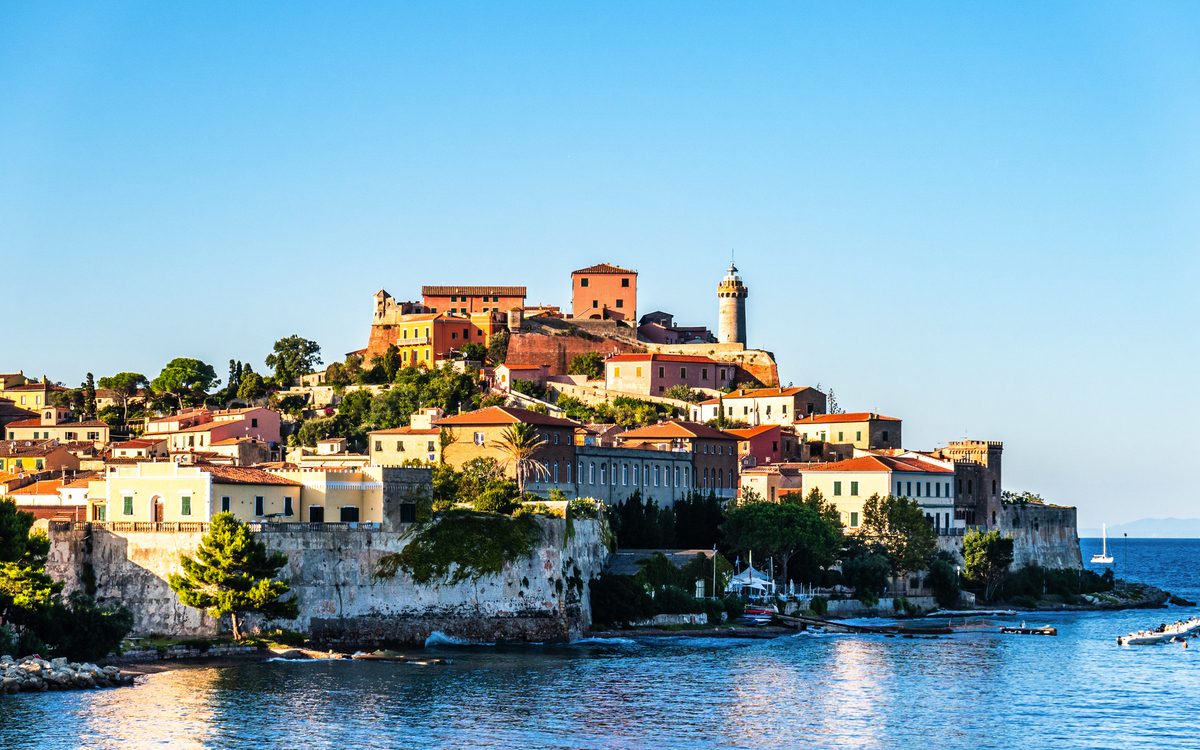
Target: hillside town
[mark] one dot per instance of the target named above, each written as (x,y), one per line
(702,411)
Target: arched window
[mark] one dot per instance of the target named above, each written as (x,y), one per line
(591,473)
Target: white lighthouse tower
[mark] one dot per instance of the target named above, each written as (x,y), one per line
(732,323)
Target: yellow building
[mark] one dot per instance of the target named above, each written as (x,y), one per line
(30,457)
(862,430)
(51,424)
(848,484)
(167,492)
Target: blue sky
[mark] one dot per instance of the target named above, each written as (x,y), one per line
(981,218)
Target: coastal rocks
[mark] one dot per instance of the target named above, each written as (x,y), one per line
(36,675)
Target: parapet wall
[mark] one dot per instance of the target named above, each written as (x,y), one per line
(1043,535)
(331,572)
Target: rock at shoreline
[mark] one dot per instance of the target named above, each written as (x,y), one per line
(35,675)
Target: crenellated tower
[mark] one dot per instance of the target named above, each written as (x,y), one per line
(732,323)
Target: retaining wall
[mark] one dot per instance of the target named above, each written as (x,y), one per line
(1043,535)
(331,573)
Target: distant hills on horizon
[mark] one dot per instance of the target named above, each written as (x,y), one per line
(1149,528)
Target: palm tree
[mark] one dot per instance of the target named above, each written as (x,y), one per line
(519,442)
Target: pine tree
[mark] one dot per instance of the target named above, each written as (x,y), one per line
(233,575)
(89,396)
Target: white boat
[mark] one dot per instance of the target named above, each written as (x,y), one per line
(1103,558)
(1181,629)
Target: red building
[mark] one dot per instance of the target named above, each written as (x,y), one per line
(473,299)
(604,292)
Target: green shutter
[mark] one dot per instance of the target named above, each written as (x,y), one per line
(837,488)
(128,505)
(185,505)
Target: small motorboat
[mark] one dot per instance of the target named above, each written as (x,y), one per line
(1103,558)
(1162,634)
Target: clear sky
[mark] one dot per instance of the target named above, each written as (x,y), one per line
(979,217)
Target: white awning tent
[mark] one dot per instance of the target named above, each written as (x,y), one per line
(750,578)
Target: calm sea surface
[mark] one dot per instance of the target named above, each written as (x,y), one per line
(973,690)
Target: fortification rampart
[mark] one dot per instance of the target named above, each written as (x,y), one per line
(1043,535)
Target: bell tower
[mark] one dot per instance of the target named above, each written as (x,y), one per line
(732,321)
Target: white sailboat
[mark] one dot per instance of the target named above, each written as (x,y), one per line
(1103,558)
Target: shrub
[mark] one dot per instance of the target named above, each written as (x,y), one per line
(497,500)
(943,579)
(1026,601)
(819,604)
(733,606)
(714,610)
(672,600)
(618,600)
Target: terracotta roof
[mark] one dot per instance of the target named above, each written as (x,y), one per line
(245,475)
(664,358)
(520,367)
(766,392)
(675,429)
(473,291)
(494,415)
(9,409)
(604,268)
(753,431)
(8,476)
(40,487)
(21,449)
(853,416)
(81,479)
(880,463)
(406,431)
(236,440)
(62,425)
(36,387)
(138,443)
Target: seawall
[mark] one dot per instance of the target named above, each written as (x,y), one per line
(1043,535)
(541,598)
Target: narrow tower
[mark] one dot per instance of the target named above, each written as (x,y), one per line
(732,323)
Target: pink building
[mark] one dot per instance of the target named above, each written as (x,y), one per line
(506,374)
(198,429)
(759,446)
(654,374)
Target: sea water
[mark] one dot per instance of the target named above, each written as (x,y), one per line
(976,689)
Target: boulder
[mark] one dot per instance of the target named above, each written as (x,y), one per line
(59,663)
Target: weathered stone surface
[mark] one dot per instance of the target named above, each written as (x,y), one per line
(1043,535)
(332,572)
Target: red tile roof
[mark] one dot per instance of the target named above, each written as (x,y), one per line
(521,367)
(36,387)
(753,431)
(473,291)
(605,268)
(30,448)
(880,463)
(664,358)
(406,431)
(62,425)
(494,415)
(245,475)
(40,487)
(675,429)
(137,443)
(853,416)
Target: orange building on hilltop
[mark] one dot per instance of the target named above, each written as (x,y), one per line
(473,299)
(604,292)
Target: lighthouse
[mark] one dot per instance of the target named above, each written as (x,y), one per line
(732,294)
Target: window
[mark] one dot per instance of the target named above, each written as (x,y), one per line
(918,489)
(582,283)
(454,334)
(591,473)
(399,446)
(854,489)
(426,331)
(429,446)
(620,303)
(556,438)
(603,474)
(662,372)
(706,447)
(595,303)
(185,505)
(259,502)
(656,475)
(638,372)
(379,445)
(224,504)
(937,490)
(479,438)
(841,438)
(128,509)
(556,472)
(287,507)
(616,372)
(854,519)
(947,489)
(926,490)
(453,298)
(635,475)
(91,435)
(101,513)
(37,464)
(993,486)
(909,486)
(858,435)
(624,474)
(783,409)
(624,283)
(774,445)
(885,436)
(837,489)
(731,411)
(254,422)
(704,376)
(683,372)
(676,476)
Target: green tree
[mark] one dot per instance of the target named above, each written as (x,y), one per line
(233,575)
(292,404)
(184,376)
(520,443)
(26,592)
(683,393)
(748,496)
(474,352)
(497,352)
(639,524)
(782,532)
(335,375)
(89,396)
(234,382)
(865,570)
(356,407)
(943,578)
(124,386)
(293,356)
(899,528)
(390,361)
(986,558)
(589,364)
(251,387)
